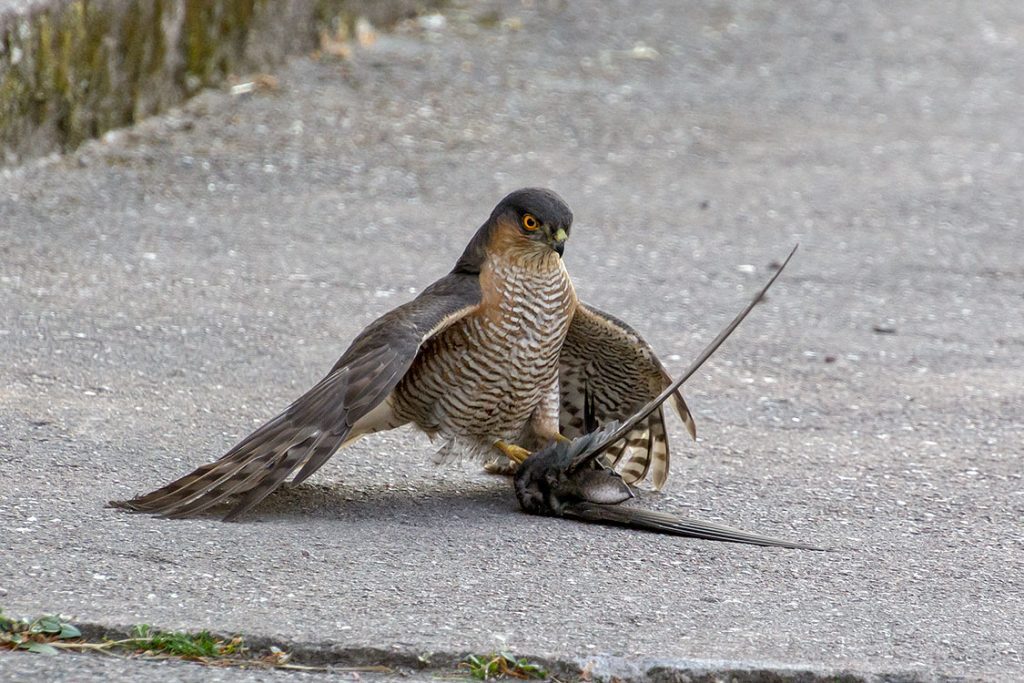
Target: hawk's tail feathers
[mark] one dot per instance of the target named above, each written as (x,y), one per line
(648,452)
(684,414)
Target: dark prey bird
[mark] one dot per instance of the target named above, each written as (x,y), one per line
(571,478)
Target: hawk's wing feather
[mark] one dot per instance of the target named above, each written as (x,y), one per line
(312,428)
(608,359)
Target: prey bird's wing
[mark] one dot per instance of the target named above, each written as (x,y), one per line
(607,363)
(663,523)
(312,428)
(637,420)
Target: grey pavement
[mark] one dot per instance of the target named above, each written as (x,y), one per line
(87,668)
(169,288)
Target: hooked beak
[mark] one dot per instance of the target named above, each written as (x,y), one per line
(558,241)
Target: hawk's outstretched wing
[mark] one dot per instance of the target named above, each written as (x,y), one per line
(312,428)
(607,359)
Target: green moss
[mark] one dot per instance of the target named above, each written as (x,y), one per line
(198,50)
(43,67)
(87,66)
(141,49)
(13,99)
(214,37)
(95,88)
(332,15)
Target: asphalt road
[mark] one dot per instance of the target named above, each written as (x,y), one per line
(168,289)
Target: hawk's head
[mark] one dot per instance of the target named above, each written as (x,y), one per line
(537,215)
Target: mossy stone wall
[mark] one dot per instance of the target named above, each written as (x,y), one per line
(71,70)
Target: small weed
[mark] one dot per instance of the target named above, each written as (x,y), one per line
(503,665)
(51,634)
(196,646)
(35,636)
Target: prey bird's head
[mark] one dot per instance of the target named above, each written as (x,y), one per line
(536,216)
(567,473)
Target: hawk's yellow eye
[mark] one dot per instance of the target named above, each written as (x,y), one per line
(530,223)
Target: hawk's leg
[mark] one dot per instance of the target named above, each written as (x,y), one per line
(543,429)
(517,454)
(507,465)
(501,466)
(514,457)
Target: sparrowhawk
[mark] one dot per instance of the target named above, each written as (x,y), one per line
(496,356)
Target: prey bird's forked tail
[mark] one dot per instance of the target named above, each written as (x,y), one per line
(664,523)
(570,478)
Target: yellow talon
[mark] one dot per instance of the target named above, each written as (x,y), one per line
(516,454)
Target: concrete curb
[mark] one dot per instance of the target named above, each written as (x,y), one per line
(412,665)
(70,70)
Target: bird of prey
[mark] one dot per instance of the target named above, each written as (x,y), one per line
(569,479)
(494,357)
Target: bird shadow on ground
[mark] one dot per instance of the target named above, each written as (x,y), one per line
(408,504)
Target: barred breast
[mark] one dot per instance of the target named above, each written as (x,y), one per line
(481,379)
